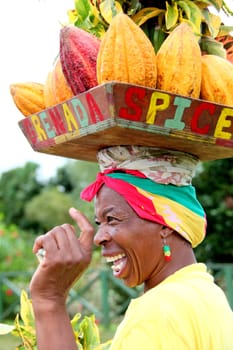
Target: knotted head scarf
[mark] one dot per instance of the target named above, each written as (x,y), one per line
(156,184)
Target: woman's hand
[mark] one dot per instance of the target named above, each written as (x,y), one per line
(66,258)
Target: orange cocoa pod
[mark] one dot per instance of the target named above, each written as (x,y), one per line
(126,54)
(217,78)
(179,63)
(56,89)
(28,97)
(48,91)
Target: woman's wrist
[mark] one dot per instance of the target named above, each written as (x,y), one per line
(53,327)
(48,305)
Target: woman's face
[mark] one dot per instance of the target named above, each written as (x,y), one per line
(132,245)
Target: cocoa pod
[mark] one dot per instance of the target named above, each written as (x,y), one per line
(179,63)
(56,89)
(78,54)
(28,97)
(126,54)
(217,80)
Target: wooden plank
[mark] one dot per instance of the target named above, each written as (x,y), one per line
(85,148)
(122,114)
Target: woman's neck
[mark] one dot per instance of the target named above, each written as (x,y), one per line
(182,255)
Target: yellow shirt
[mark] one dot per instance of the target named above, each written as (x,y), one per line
(187,311)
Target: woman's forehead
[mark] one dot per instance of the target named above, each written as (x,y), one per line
(107,195)
(108,199)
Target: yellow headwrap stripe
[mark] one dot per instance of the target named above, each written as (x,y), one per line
(181,219)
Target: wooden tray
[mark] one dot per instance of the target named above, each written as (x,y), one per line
(122,114)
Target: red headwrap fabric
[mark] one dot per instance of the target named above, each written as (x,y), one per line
(142,205)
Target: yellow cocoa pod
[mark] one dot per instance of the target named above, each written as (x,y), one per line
(28,97)
(56,89)
(217,80)
(126,54)
(179,63)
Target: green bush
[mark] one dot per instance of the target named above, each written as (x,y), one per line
(15,248)
(17,263)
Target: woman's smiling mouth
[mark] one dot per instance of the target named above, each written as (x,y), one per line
(118,262)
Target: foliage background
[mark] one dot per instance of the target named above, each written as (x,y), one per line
(30,206)
(214,186)
(34,206)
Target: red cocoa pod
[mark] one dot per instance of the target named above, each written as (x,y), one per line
(78,55)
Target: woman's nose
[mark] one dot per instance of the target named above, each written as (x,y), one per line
(101,237)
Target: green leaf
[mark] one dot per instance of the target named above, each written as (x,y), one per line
(86,331)
(88,18)
(72,16)
(132,7)
(202,4)
(90,332)
(109,8)
(104,346)
(26,311)
(190,23)
(171,15)
(195,16)
(27,336)
(217,4)
(157,38)
(213,22)
(146,13)
(6,328)
(185,8)
(75,324)
(145,28)
(212,47)
(96,29)
(225,30)
(83,8)
(75,320)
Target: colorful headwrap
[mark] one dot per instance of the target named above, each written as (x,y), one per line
(156,184)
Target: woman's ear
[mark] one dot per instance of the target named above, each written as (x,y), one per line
(166,232)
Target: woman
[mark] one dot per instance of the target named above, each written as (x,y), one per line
(149,221)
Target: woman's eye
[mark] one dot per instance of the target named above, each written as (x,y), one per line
(108,220)
(111,219)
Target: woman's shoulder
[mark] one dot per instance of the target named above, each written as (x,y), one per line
(187,290)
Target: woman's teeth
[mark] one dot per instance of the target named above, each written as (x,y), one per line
(110,259)
(117,262)
(117,267)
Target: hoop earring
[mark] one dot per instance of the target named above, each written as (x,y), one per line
(166,251)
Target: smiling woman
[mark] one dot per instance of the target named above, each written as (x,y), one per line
(149,220)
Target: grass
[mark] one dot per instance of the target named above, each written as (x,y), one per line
(8,342)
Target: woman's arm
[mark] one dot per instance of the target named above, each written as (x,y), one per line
(66,258)
(53,329)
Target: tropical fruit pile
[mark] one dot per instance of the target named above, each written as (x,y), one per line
(125,53)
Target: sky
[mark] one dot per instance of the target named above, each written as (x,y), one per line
(29,41)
